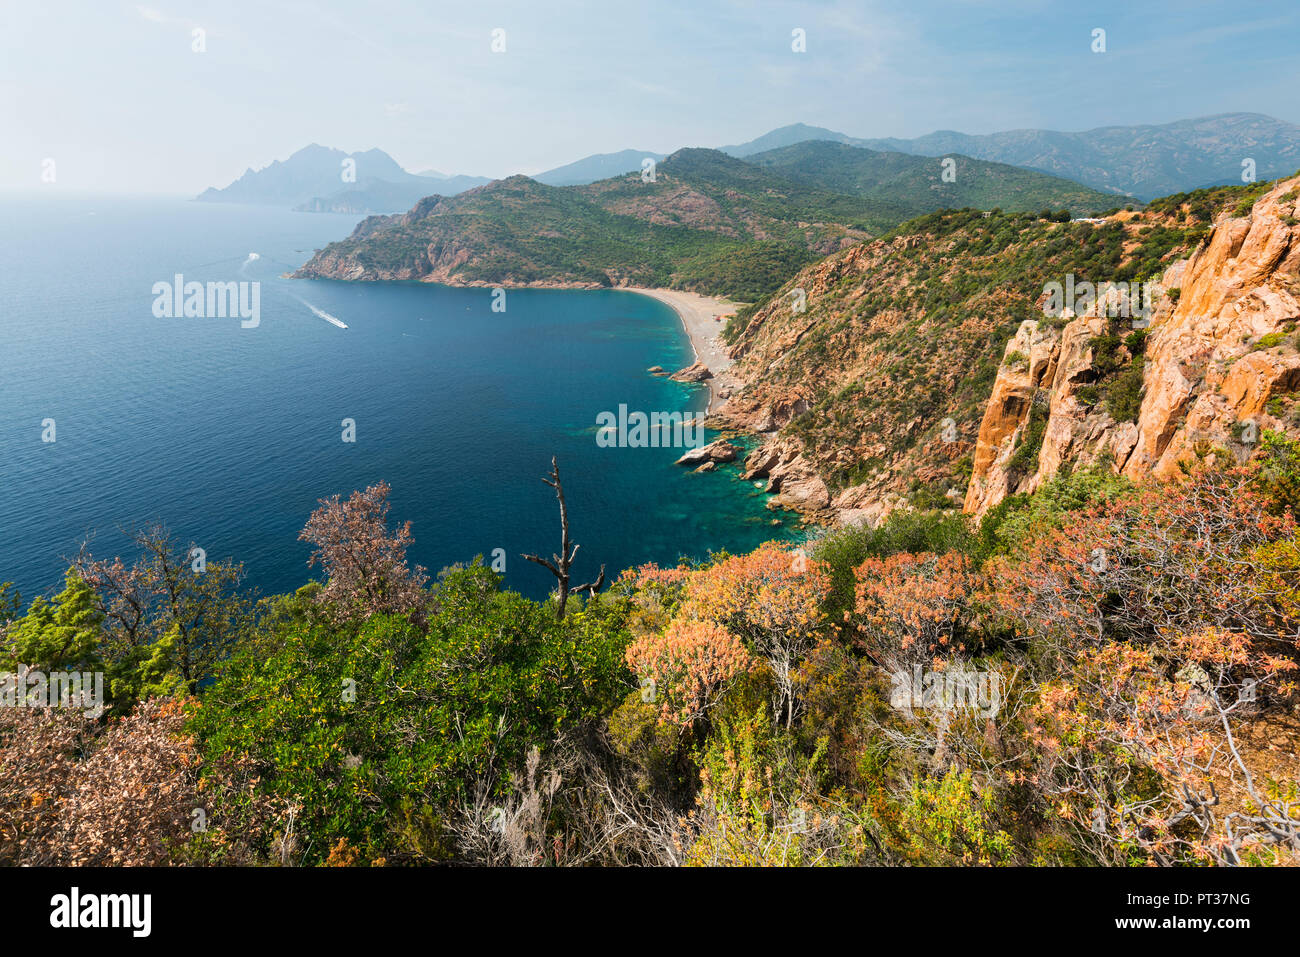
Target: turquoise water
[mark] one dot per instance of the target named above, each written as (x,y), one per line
(230,435)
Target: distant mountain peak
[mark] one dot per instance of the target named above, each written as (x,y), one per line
(596,167)
(316,178)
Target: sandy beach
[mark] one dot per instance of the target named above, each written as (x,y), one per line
(697,314)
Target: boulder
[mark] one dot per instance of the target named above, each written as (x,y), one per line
(692,373)
(804,492)
(719,451)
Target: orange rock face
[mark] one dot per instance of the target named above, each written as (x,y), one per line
(1217,355)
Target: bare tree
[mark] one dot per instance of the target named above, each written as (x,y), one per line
(560,564)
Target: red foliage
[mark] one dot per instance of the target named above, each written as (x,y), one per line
(365,566)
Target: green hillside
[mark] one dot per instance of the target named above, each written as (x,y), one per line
(916,183)
(707,222)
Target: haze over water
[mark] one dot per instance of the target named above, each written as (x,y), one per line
(230,435)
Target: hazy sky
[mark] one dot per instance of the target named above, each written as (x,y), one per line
(115,94)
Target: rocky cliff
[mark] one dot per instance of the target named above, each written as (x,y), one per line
(1213,366)
(919,370)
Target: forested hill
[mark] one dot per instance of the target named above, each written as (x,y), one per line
(701,220)
(920,183)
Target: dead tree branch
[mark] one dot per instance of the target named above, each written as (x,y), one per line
(560,564)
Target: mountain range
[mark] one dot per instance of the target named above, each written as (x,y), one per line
(1143,161)
(1140,161)
(918,184)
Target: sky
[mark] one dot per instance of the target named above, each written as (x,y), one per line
(117,95)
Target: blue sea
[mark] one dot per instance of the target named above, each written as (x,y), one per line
(230,435)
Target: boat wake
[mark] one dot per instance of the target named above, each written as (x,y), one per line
(323,314)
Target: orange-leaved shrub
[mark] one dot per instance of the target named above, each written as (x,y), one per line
(773,598)
(1162,632)
(687,668)
(915,608)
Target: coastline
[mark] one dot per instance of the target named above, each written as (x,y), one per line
(696,313)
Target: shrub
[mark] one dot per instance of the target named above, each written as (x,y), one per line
(1124,396)
(355,720)
(688,668)
(1018,520)
(773,598)
(760,803)
(948,820)
(126,792)
(904,530)
(365,566)
(915,608)
(1024,459)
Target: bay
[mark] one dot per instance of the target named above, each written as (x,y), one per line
(230,435)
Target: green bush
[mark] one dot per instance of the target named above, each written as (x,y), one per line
(845,549)
(1124,396)
(1024,459)
(432,718)
(1017,520)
